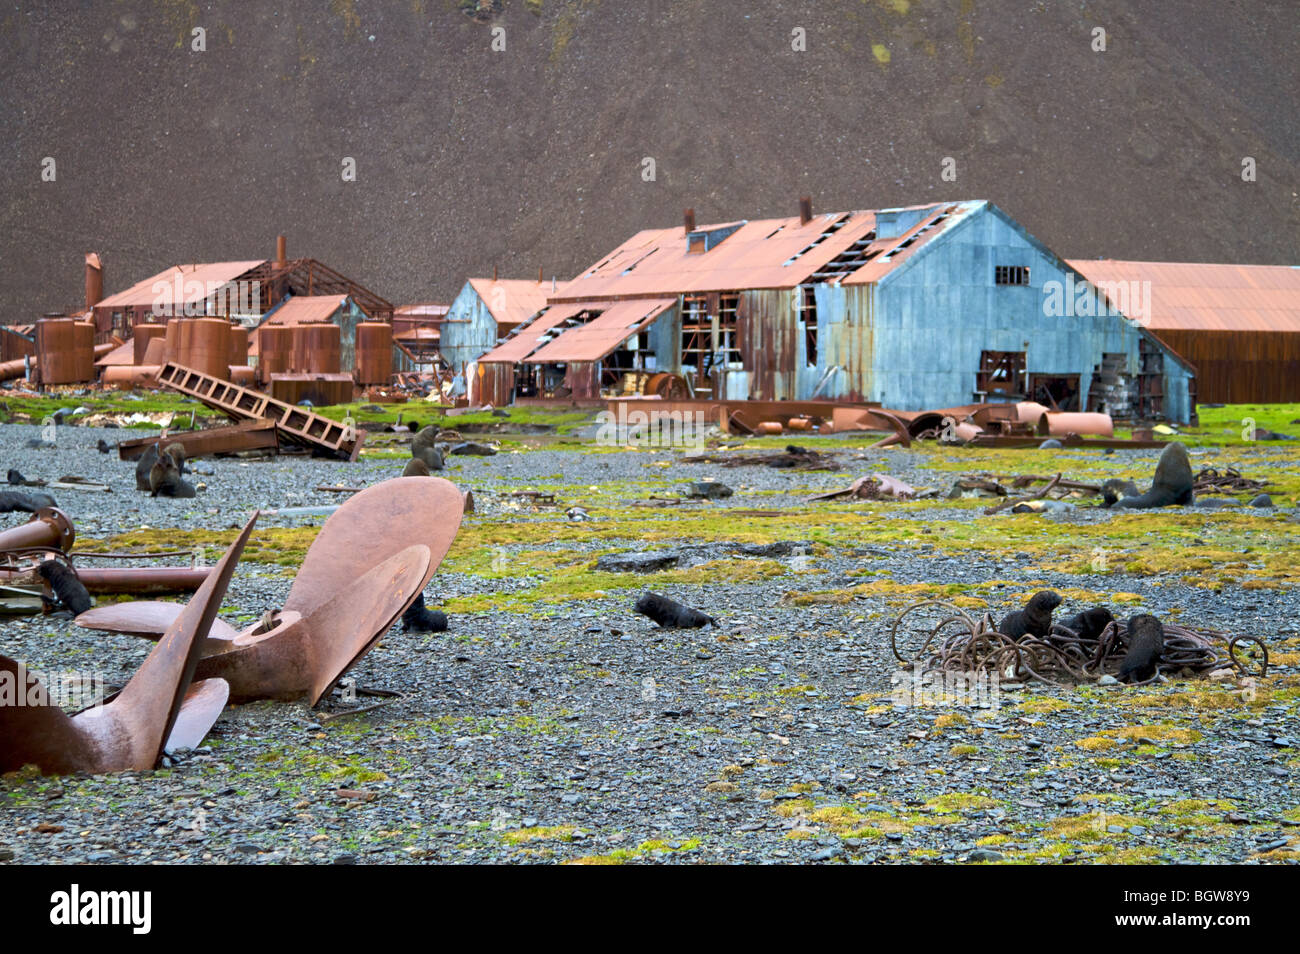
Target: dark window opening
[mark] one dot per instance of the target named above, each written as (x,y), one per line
(1001,374)
(1056,392)
(1011,275)
(710,342)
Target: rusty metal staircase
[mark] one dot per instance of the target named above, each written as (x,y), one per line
(294,424)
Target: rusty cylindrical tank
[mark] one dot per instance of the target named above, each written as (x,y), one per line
(374,354)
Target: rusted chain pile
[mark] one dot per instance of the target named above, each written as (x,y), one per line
(959,644)
(1208,481)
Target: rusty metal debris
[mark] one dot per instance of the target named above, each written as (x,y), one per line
(294,424)
(158,707)
(873,487)
(958,643)
(1210,481)
(251,435)
(792,458)
(366,566)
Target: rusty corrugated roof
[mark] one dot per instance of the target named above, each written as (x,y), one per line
(1205,297)
(601,335)
(765,253)
(528,337)
(206,275)
(305,309)
(511,301)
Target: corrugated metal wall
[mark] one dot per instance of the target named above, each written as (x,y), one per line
(943,309)
(1240,367)
(469,330)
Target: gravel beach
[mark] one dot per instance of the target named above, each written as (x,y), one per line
(571,729)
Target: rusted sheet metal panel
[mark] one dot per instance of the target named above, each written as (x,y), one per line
(496,383)
(1240,367)
(582,378)
(601,335)
(511,302)
(251,435)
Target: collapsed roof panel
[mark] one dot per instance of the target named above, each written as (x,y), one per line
(601,335)
(526,339)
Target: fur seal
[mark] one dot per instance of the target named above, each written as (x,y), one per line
(68,589)
(165,475)
(143,466)
(104,447)
(1034,620)
(11,500)
(416,467)
(1088,624)
(1171,487)
(1146,644)
(423,620)
(671,614)
(424,446)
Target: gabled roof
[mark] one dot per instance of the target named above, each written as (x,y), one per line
(765,253)
(601,335)
(511,301)
(195,281)
(1199,297)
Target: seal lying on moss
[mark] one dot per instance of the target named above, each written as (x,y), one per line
(1172,486)
(1146,644)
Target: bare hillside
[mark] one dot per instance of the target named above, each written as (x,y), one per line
(534,155)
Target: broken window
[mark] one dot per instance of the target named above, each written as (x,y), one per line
(1011,275)
(1001,374)
(805,307)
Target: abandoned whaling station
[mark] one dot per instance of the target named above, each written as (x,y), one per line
(1015,531)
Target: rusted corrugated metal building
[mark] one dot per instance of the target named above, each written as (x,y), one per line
(484,312)
(925,306)
(1239,325)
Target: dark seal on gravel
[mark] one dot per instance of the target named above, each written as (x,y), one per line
(423,620)
(1088,624)
(670,614)
(69,591)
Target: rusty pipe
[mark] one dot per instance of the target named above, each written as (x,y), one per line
(142,579)
(49,527)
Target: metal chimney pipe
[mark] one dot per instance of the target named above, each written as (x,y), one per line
(281,251)
(688,221)
(805,210)
(94,280)
(540,279)
(494,273)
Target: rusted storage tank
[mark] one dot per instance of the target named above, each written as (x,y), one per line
(374,361)
(318,349)
(142,335)
(58,341)
(274,351)
(238,345)
(210,347)
(127,377)
(83,350)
